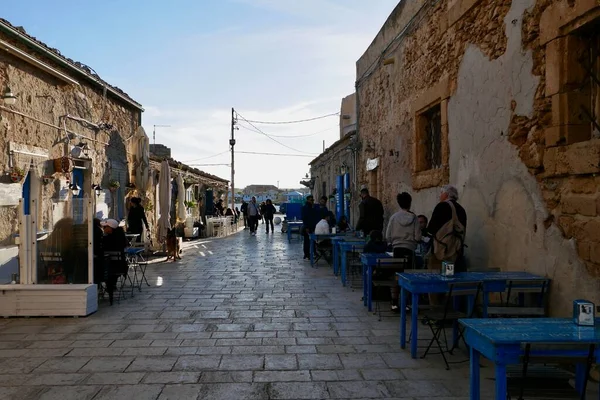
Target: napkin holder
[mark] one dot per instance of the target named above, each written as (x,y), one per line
(583,312)
(447,269)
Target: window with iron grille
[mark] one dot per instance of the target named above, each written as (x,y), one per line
(431,122)
(590,62)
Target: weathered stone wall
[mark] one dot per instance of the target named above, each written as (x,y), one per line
(46,98)
(517,192)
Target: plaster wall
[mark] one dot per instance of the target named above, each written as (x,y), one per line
(46,98)
(487,57)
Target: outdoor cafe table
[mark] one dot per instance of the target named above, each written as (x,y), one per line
(291,225)
(369,260)
(347,245)
(500,340)
(425,283)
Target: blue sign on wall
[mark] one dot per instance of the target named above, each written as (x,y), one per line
(339,197)
(346,198)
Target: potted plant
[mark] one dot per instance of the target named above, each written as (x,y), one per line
(113,185)
(190,204)
(16,174)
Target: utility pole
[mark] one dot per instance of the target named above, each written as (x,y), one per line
(232,144)
(154,131)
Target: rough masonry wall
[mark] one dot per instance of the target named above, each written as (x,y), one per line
(496,116)
(45,98)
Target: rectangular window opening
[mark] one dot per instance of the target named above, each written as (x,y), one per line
(432,122)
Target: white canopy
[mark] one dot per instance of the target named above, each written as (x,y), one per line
(181,212)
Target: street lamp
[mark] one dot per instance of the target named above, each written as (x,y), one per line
(97,189)
(74,189)
(8,97)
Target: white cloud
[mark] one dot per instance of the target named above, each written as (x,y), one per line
(292,71)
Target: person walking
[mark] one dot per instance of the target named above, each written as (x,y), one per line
(262,211)
(370,213)
(136,218)
(244,210)
(253,215)
(268,214)
(310,218)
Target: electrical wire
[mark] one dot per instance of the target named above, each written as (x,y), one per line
(275,140)
(291,136)
(207,157)
(274,154)
(208,165)
(293,122)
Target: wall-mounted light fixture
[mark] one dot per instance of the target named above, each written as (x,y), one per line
(389,60)
(8,97)
(97,189)
(74,189)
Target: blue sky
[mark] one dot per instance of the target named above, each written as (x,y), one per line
(188,62)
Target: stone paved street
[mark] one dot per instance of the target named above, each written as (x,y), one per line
(238,318)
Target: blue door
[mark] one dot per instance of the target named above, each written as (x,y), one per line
(27,194)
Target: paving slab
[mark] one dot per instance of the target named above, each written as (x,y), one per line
(244,319)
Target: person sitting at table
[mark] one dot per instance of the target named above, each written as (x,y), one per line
(424,245)
(324,245)
(137,217)
(343,225)
(114,241)
(376,244)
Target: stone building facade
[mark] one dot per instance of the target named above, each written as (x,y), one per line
(338,164)
(499,98)
(66,127)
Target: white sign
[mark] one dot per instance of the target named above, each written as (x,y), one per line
(372,163)
(10,193)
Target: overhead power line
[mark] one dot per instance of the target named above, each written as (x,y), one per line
(207,165)
(293,122)
(275,140)
(291,136)
(207,157)
(275,154)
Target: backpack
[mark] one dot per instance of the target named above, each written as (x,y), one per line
(450,238)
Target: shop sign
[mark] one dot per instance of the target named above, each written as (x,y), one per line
(372,163)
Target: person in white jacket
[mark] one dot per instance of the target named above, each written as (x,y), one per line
(403,232)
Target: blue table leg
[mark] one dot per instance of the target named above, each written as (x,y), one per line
(402,318)
(336,258)
(500,381)
(414,326)
(369,287)
(579,377)
(312,252)
(344,265)
(455,304)
(365,293)
(474,383)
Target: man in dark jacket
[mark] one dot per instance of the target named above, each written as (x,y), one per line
(370,214)
(136,218)
(244,210)
(268,213)
(310,217)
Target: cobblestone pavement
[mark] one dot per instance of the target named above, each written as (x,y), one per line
(238,318)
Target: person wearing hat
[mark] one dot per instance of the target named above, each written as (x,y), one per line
(137,217)
(114,241)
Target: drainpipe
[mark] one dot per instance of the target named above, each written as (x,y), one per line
(355,152)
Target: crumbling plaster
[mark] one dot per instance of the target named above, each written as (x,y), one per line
(497,113)
(507,212)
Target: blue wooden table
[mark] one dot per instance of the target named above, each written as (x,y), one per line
(369,260)
(425,283)
(500,340)
(345,247)
(293,226)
